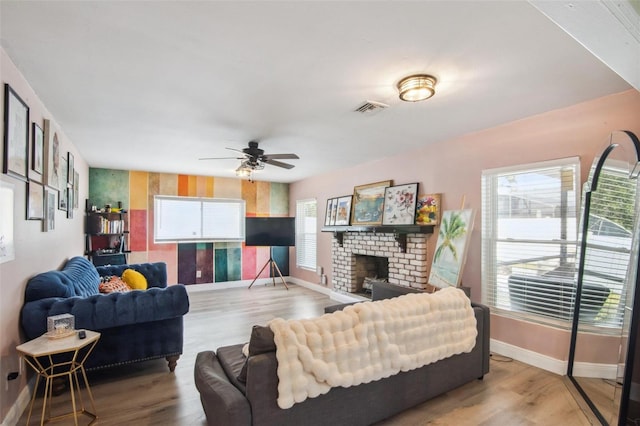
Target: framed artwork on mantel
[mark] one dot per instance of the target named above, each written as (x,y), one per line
(343,210)
(400,204)
(368,202)
(327,217)
(428,209)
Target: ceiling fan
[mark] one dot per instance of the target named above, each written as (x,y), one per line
(254,158)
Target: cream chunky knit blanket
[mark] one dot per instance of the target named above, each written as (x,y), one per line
(370,341)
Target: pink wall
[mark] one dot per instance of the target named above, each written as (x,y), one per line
(35,251)
(454,168)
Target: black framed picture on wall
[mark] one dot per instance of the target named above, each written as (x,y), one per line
(16,135)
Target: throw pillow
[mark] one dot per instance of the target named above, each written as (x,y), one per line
(135,279)
(113,285)
(261,341)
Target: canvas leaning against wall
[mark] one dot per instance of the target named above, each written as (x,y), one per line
(451,248)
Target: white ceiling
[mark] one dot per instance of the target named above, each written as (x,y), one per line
(156,85)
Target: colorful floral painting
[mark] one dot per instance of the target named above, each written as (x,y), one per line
(428,209)
(400,204)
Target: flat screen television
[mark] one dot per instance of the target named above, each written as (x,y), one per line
(270,231)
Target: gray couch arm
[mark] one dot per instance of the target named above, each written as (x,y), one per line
(223,403)
(483,317)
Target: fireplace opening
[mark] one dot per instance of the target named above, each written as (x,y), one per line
(369,269)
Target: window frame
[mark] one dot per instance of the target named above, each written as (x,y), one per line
(491,292)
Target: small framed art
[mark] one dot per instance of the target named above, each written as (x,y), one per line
(428,209)
(16,135)
(35,201)
(327,215)
(51,176)
(70,168)
(343,210)
(50,207)
(37,150)
(400,204)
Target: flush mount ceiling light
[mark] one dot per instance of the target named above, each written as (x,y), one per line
(417,87)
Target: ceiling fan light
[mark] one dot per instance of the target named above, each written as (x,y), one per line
(417,87)
(243,171)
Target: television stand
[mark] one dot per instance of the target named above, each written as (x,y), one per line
(273,268)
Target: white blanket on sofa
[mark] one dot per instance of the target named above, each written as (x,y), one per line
(370,341)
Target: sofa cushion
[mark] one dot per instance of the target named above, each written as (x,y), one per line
(261,341)
(113,285)
(233,361)
(78,277)
(134,279)
(155,273)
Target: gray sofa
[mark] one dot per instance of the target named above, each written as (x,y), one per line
(227,400)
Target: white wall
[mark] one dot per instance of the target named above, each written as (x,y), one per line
(35,251)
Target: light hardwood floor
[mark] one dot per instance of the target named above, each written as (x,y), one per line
(147,394)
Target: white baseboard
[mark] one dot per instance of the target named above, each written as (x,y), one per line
(311,286)
(592,370)
(18,407)
(230,284)
(529,357)
(557,366)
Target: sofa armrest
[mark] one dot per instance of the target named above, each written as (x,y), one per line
(483,318)
(223,403)
(155,273)
(103,311)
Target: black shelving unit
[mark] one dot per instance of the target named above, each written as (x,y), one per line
(106,236)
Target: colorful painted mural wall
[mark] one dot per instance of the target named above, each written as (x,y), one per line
(215,262)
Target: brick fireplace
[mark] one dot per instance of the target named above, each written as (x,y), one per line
(407,268)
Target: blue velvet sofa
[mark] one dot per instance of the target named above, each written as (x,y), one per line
(135,326)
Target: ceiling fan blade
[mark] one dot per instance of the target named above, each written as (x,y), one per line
(278,163)
(221,158)
(239,151)
(282,156)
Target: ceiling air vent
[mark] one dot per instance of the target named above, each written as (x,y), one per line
(370,107)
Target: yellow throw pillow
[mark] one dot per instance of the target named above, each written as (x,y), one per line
(134,279)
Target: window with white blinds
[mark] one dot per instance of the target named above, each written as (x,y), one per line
(529,232)
(306,234)
(185,219)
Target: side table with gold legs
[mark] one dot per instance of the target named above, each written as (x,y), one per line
(52,358)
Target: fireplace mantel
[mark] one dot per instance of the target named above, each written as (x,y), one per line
(399,232)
